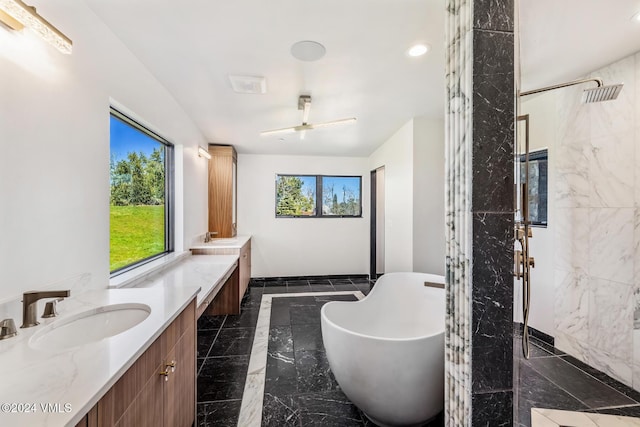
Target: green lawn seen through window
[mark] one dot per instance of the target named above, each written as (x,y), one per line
(137,232)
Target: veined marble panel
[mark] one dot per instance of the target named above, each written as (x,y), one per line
(611,249)
(636,359)
(615,116)
(572,239)
(573,117)
(611,170)
(636,164)
(611,308)
(572,303)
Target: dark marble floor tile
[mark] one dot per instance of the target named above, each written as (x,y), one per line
(222,378)
(246,319)
(345,287)
(281,377)
(207,323)
(293,289)
(341,282)
(280,339)
(275,284)
(275,290)
(536,391)
(534,350)
(319,281)
(252,299)
(314,374)
(360,281)
(307,336)
(219,414)
(280,411)
(280,315)
(298,282)
(300,301)
(627,411)
(328,409)
(233,342)
(613,383)
(585,388)
(199,363)
(304,314)
(205,340)
(363,286)
(322,288)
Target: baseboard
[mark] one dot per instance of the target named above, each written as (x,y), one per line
(518,328)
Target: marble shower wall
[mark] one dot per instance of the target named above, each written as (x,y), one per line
(597,194)
(479,135)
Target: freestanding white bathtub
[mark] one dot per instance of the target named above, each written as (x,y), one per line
(387,350)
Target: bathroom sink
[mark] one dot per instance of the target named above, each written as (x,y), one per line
(89,326)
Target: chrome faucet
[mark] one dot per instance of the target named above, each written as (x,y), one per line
(29,306)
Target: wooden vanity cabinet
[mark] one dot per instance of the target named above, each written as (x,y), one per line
(150,393)
(222,190)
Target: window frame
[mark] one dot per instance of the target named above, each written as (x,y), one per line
(319,196)
(169,190)
(536,155)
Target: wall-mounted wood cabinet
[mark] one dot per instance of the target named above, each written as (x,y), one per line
(222,190)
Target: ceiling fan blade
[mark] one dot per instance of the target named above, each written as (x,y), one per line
(307,126)
(283,130)
(331,123)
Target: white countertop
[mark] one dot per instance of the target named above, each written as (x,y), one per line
(78,377)
(224,243)
(205,271)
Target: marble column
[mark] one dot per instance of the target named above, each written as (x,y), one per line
(479,201)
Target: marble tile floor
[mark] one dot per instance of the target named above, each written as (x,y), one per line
(299,389)
(551,379)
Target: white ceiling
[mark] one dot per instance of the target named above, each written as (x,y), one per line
(563,40)
(191,46)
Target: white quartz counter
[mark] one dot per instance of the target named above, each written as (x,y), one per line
(57,388)
(224,243)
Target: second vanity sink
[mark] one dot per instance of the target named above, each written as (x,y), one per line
(89,326)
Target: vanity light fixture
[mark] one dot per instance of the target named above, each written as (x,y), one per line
(418,49)
(16,15)
(203,152)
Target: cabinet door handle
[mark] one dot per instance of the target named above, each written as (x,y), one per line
(171,365)
(165,374)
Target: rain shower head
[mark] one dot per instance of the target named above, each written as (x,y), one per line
(601,93)
(596,94)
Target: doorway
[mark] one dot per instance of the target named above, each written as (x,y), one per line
(377,224)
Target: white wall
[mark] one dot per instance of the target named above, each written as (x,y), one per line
(428,196)
(543,120)
(54,137)
(300,246)
(396,155)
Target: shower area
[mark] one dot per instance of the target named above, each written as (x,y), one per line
(582,299)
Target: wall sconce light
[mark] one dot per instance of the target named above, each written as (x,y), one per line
(203,152)
(16,15)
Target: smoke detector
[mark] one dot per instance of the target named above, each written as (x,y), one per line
(248,84)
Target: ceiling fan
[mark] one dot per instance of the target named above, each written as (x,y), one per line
(304,104)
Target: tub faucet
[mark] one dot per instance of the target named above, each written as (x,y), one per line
(29,306)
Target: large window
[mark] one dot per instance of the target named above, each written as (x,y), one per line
(299,196)
(141,202)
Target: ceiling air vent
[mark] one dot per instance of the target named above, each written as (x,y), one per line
(248,84)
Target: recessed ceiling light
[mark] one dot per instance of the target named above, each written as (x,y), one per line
(418,49)
(308,50)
